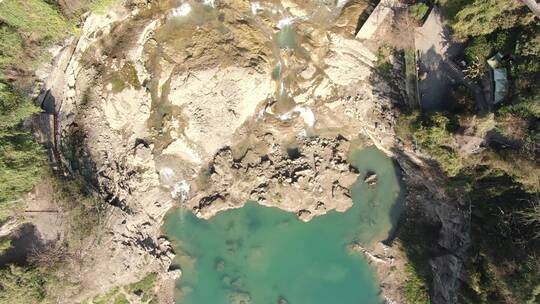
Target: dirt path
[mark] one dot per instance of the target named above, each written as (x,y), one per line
(434,47)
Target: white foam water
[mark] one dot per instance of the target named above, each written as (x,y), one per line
(183,10)
(211,3)
(287,21)
(256,8)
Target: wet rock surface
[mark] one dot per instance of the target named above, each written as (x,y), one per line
(309,179)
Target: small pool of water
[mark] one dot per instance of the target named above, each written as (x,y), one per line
(267,255)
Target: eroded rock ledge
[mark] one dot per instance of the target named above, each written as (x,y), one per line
(314,173)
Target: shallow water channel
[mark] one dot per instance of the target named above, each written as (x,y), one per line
(264,255)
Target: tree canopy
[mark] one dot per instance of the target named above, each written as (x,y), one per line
(482,17)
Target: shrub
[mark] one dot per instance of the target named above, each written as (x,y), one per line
(483,17)
(35,17)
(415,288)
(21,285)
(383,64)
(433,136)
(11,46)
(117,295)
(21,158)
(418,11)
(406,124)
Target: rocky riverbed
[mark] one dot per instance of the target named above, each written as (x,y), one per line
(205,105)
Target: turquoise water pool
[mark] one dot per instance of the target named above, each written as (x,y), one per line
(264,255)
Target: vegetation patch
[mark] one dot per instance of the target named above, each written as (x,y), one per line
(142,290)
(4,245)
(11,45)
(35,17)
(383,64)
(506,269)
(417,236)
(411,77)
(144,287)
(418,11)
(22,285)
(415,288)
(482,17)
(84,210)
(432,133)
(22,160)
(100,6)
(124,78)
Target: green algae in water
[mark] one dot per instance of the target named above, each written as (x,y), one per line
(276,72)
(287,38)
(265,254)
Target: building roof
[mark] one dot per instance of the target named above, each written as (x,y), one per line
(495,61)
(500,78)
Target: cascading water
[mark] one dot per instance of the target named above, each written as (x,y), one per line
(294,33)
(290,53)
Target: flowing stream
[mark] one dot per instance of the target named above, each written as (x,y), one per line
(294,36)
(264,255)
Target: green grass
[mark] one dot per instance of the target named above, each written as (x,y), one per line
(415,288)
(121,299)
(21,164)
(11,46)
(26,29)
(35,17)
(5,245)
(499,182)
(417,236)
(106,298)
(100,6)
(501,186)
(14,107)
(528,109)
(83,209)
(145,285)
(117,296)
(507,268)
(406,124)
(383,64)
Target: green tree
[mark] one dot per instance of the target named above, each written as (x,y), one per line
(433,135)
(482,17)
(20,285)
(21,158)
